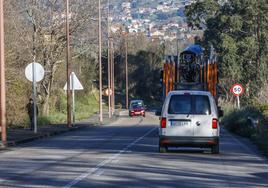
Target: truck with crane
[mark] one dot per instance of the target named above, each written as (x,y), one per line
(190,112)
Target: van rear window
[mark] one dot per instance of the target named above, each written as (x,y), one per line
(180,104)
(189,104)
(201,105)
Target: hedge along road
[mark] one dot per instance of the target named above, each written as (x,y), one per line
(125,154)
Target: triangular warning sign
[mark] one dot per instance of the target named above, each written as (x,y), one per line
(74,82)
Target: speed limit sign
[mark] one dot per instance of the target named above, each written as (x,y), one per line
(237,90)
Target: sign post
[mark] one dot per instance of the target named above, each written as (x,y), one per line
(75,85)
(34,97)
(34,72)
(237,90)
(73,110)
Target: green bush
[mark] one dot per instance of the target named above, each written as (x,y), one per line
(56,118)
(237,120)
(263,108)
(86,106)
(42,120)
(61,103)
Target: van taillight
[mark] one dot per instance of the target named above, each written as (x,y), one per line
(214,124)
(163,122)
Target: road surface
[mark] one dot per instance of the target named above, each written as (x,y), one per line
(125,154)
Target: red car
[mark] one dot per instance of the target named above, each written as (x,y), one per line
(136,108)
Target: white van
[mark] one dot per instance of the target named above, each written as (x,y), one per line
(189,118)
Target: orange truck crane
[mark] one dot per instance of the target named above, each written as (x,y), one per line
(191,72)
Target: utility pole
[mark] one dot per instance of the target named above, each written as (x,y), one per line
(68,70)
(100,67)
(112,76)
(2,78)
(126,64)
(109,62)
(176,64)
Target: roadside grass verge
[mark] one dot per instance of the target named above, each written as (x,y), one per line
(85,106)
(261,136)
(238,122)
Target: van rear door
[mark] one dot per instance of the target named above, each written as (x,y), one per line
(179,117)
(202,118)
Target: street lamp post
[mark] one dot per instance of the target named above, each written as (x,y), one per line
(100,68)
(2,78)
(68,70)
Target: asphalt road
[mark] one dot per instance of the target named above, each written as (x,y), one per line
(125,154)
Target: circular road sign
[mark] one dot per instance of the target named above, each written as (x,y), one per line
(39,72)
(237,89)
(107,93)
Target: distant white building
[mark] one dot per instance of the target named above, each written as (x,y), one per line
(126,5)
(169,38)
(146,20)
(163,8)
(133,30)
(157,33)
(115,28)
(190,2)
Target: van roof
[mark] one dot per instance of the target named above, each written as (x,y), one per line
(190,92)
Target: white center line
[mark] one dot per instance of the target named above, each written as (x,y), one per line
(99,172)
(91,171)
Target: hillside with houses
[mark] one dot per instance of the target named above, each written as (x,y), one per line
(157,19)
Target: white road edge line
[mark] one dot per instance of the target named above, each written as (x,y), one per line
(245,147)
(103,163)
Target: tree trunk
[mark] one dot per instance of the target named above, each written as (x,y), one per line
(47,83)
(46,105)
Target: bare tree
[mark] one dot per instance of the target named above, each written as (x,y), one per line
(37,32)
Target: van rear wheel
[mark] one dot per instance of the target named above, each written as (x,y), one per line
(215,149)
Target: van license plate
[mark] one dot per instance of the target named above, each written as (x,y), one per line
(180,123)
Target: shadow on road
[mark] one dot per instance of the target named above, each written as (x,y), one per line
(66,157)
